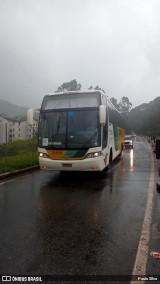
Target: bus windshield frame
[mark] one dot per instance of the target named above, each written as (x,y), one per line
(69,128)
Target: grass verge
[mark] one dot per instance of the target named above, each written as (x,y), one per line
(18,155)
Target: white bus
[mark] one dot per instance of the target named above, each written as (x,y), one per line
(78,131)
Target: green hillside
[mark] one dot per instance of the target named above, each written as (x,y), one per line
(145,119)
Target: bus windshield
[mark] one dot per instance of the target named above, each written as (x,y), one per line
(69,129)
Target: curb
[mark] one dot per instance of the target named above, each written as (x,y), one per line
(17,172)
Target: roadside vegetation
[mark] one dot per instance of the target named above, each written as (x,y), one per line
(18,155)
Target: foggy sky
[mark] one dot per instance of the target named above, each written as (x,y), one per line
(114,44)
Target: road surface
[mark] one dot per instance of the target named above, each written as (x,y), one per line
(83,224)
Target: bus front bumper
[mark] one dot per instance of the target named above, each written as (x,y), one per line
(90,164)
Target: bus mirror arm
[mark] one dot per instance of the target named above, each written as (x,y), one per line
(102,114)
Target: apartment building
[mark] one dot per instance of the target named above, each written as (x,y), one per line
(12,130)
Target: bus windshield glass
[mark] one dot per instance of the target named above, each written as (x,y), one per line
(71,101)
(69,129)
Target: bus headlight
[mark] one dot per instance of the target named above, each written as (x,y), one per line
(94,154)
(43,155)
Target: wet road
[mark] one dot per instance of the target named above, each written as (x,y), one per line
(55,223)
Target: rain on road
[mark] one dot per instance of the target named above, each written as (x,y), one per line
(75,223)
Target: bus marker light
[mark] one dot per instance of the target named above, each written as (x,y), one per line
(155,254)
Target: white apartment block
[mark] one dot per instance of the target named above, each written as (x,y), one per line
(11,130)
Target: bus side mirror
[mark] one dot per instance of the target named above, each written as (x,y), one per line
(102,114)
(158,149)
(30,115)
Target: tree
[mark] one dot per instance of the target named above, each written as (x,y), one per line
(125,105)
(97,88)
(94,88)
(115,103)
(69,86)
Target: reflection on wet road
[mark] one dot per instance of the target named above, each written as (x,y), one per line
(75,223)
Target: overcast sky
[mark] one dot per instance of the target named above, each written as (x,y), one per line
(114,44)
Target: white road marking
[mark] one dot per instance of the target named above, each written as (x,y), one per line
(15,178)
(7,181)
(143,247)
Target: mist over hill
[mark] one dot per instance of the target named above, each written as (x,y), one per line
(11,110)
(145,119)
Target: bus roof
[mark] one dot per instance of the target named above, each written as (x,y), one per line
(76,92)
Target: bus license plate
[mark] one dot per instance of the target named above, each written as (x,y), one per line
(67,165)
